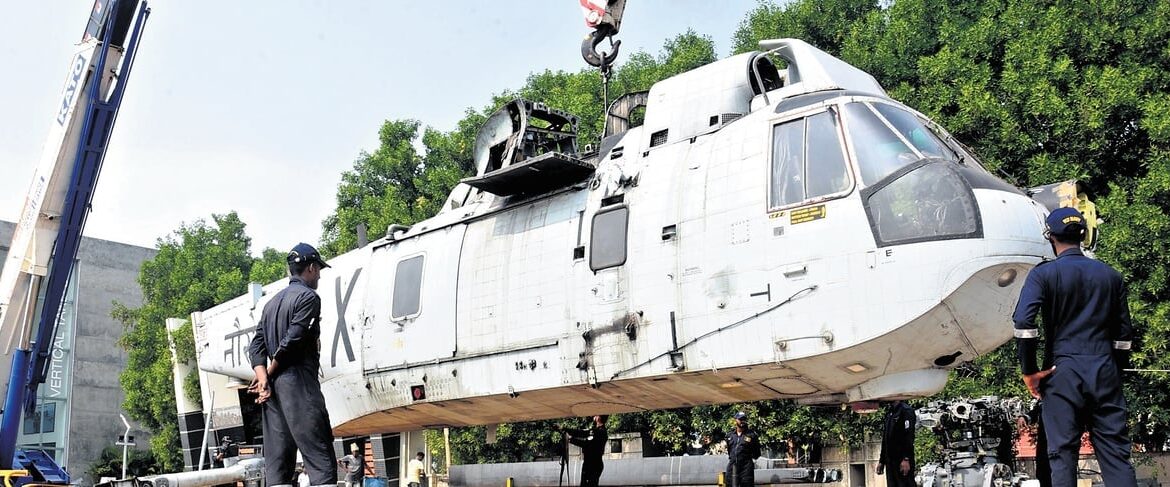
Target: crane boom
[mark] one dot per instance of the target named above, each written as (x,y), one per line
(48,233)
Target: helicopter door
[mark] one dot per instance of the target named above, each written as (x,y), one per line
(808,176)
(409,316)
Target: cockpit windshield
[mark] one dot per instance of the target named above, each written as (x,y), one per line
(914,131)
(886,138)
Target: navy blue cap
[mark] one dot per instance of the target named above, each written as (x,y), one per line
(304,252)
(741,415)
(1065,222)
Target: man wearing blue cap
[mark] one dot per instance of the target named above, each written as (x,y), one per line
(286,358)
(1083,306)
(743,448)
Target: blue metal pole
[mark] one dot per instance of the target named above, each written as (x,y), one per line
(10,424)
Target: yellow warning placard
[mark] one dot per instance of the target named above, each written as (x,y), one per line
(803,215)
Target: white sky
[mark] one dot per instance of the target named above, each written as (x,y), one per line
(259,106)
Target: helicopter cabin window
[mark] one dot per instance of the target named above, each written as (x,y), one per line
(808,161)
(607,243)
(407,288)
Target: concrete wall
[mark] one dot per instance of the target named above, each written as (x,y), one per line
(107,272)
(856,464)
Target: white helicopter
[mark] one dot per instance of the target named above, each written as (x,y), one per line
(765,233)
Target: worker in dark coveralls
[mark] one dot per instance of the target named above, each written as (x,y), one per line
(592,443)
(286,357)
(1083,306)
(743,448)
(896,460)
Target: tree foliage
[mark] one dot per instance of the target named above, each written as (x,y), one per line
(109,464)
(198,266)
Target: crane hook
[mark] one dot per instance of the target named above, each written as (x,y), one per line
(589,47)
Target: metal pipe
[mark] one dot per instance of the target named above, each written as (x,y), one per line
(248,469)
(125,442)
(206,432)
(657,471)
(21,359)
(447,450)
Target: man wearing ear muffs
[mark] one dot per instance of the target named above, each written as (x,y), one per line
(286,357)
(1083,306)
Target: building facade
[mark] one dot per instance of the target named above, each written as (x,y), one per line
(79,403)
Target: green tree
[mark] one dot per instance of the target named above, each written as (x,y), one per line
(825,24)
(109,464)
(271,266)
(379,191)
(198,266)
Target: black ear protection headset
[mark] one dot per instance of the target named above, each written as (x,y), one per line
(295,257)
(1079,232)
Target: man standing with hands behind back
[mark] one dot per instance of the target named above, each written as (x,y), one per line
(286,357)
(1085,311)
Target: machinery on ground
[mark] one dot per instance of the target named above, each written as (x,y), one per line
(44,244)
(976,437)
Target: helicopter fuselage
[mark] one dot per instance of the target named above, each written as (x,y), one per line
(821,244)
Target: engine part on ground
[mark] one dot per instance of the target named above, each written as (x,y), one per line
(976,437)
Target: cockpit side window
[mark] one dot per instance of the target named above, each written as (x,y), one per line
(878,149)
(787,163)
(825,160)
(808,161)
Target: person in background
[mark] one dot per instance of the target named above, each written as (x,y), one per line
(743,448)
(302,477)
(592,443)
(897,453)
(352,465)
(227,449)
(416,470)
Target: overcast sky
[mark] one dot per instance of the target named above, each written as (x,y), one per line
(258,106)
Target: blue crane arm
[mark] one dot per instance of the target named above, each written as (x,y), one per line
(30,366)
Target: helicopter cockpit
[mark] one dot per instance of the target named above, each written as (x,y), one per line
(916,181)
(917,185)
